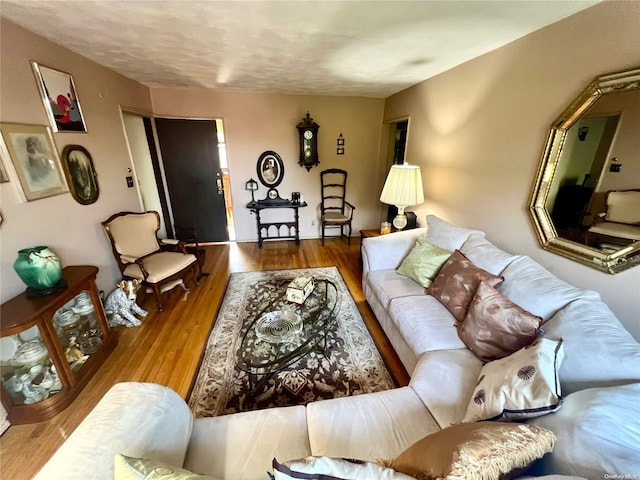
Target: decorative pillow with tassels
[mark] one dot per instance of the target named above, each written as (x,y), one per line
(485,450)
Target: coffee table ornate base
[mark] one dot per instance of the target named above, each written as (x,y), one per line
(283,332)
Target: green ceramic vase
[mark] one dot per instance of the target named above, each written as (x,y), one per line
(38,267)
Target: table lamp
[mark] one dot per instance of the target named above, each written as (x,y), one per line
(402,188)
(251,185)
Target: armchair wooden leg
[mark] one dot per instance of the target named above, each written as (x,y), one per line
(323,235)
(158,294)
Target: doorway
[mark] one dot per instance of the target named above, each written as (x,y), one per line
(183,173)
(396,153)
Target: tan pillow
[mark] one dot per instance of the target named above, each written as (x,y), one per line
(423,262)
(457,282)
(131,468)
(523,385)
(486,450)
(495,326)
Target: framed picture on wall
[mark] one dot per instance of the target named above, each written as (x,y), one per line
(60,99)
(81,176)
(33,162)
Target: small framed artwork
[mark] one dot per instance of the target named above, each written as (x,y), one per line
(60,99)
(270,169)
(33,161)
(81,176)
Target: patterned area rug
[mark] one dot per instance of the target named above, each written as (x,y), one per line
(352,364)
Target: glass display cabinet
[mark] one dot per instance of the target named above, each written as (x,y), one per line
(51,346)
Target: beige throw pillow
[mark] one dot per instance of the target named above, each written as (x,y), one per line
(423,262)
(131,468)
(457,282)
(486,450)
(523,385)
(495,326)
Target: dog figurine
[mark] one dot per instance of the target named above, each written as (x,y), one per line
(121,304)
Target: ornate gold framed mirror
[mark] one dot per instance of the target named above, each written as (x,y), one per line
(591,160)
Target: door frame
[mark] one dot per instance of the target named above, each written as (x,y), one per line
(165,197)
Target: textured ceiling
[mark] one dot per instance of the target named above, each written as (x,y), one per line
(362,48)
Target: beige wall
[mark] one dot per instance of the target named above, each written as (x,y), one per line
(478,132)
(72,230)
(255,123)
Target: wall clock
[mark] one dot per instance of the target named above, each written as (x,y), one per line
(308,132)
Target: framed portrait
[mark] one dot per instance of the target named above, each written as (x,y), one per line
(33,160)
(60,99)
(270,169)
(81,176)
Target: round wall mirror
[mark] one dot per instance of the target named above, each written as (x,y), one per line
(585,202)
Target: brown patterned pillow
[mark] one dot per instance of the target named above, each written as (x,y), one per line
(487,450)
(457,282)
(495,326)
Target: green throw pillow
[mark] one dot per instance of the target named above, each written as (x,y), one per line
(130,468)
(423,262)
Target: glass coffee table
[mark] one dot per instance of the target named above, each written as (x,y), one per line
(283,332)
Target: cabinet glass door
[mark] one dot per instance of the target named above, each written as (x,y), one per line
(28,375)
(77,327)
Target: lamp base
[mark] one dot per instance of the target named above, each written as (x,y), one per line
(400,221)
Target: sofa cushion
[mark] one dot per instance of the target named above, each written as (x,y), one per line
(599,352)
(486,255)
(157,424)
(445,235)
(537,290)
(522,385)
(386,252)
(495,326)
(423,262)
(368,427)
(457,282)
(327,468)
(444,380)
(389,284)
(130,468)
(242,446)
(425,324)
(487,450)
(598,432)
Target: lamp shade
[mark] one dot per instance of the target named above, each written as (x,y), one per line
(403,186)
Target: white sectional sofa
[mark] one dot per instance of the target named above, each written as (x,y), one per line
(597,428)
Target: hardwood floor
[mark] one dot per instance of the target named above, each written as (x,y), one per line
(166,349)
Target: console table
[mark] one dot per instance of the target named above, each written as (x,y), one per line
(292,231)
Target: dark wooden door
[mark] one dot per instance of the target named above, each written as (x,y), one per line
(189,151)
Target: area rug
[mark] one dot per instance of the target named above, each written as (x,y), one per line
(350,365)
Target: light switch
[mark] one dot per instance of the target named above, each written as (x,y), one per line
(130,182)
(615,167)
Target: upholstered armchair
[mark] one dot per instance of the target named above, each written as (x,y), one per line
(620,223)
(139,254)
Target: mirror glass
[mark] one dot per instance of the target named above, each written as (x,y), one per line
(585,202)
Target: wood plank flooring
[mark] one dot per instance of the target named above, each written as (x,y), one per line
(166,349)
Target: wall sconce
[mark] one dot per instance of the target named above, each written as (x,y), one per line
(340,144)
(252,186)
(582,133)
(402,188)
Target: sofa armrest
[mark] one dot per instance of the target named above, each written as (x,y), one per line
(386,252)
(135,419)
